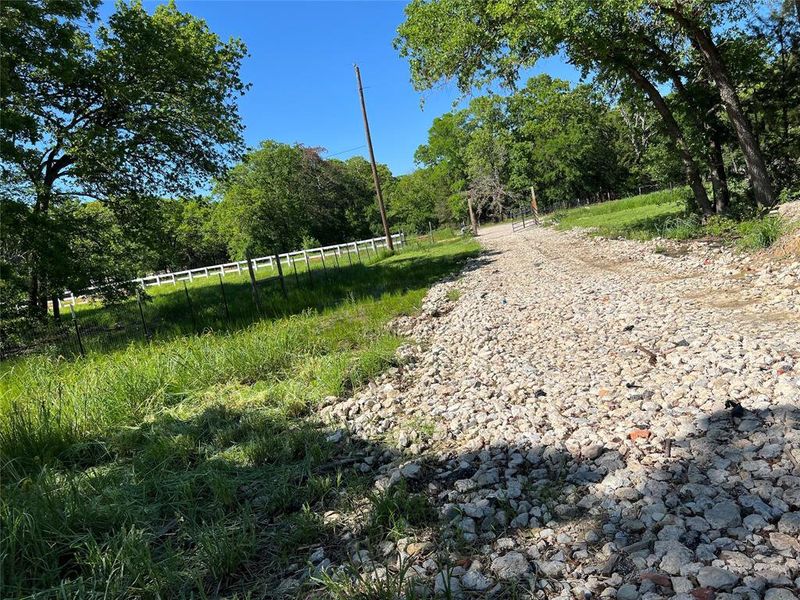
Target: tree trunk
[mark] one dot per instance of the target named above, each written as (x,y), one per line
(754,160)
(472,220)
(56,308)
(719,179)
(37,295)
(674,132)
(33,288)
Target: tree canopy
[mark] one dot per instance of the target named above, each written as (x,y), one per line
(122,111)
(632,46)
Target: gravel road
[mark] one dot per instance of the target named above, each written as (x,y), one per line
(601,417)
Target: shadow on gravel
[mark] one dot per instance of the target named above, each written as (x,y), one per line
(260,502)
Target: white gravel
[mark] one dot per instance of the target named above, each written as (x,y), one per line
(567,416)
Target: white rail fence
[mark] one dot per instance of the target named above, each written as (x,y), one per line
(238,267)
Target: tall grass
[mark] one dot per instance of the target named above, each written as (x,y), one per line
(188,466)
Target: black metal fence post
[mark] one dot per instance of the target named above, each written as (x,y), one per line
(224,299)
(253,287)
(324,268)
(191,308)
(280,275)
(141,314)
(77,330)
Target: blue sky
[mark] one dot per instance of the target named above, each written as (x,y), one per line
(303,84)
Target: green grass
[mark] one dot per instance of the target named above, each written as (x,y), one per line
(195,466)
(211,305)
(663,215)
(637,217)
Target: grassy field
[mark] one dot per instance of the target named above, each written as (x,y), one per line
(208,304)
(663,214)
(193,465)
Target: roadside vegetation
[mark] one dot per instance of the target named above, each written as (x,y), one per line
(663,214)
(196,465)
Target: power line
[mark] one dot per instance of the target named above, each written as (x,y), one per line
(345,151)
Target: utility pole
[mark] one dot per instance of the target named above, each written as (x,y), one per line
(375,178)
(534,206)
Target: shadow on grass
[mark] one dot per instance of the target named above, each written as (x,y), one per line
(229,500)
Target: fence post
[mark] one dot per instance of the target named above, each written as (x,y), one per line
(141,314)
(430,232)
(358,255)
(308,268)
(191,308)
(324,268)
(280,276)
(296,278)
(253,287)
(224,299)
(534,206)
(77,329)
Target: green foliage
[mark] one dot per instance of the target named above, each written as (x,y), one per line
(566,142)
(281,195)
(419,200)
(633,50)
(759,233)
(140,106)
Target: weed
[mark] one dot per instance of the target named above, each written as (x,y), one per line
(759,233)
(453,294)
(396,511)
(382,584)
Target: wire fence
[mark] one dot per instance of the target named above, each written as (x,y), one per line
(307,256)
(220,301)
(606,196)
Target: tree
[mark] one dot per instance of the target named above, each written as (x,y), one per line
(355,198)
(696,19)
(565,141)
(421,198)
(475,42)
(140,107)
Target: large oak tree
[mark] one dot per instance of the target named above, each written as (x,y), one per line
(141,106)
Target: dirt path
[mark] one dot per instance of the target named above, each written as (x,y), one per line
(567,415)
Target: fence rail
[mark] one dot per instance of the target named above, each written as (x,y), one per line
(306,256)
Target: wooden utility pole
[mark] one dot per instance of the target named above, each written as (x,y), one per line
(375,177)
(534,206)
